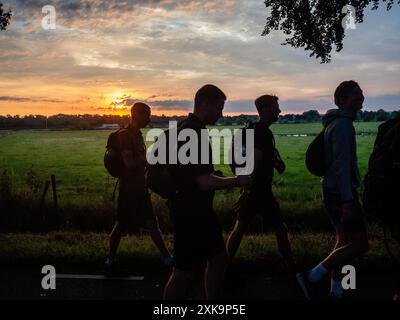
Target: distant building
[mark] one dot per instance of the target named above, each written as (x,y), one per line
(109,126)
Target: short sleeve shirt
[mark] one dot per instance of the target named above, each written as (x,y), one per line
(265,142)
(131,139)
(189,195)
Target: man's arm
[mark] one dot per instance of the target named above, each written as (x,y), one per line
(257,159)
(213,182)
(130,161)
(341,157)
(341,160)
(279,164)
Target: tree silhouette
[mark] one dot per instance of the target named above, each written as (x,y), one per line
(316,25)
(4,18)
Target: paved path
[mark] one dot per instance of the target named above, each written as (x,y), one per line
(25,283)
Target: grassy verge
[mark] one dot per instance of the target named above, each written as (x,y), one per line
(88,250)
(84,189)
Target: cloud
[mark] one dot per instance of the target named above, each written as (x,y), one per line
(14,99)
(26,99)
(387,102)
(126,102)
(163,51)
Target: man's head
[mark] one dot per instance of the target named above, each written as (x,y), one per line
(140,113)
(209,103)
(349,96)
(268,108)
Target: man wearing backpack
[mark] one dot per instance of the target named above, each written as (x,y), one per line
(383,176)
(134,203)
(381,185)
(340,191)
(258,198)
(198,237)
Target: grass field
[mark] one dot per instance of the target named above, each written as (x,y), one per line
(83,250)
(85,188)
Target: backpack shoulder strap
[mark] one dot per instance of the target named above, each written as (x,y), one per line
(249,125)
(119,133)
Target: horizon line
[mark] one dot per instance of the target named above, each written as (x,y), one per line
(227,114)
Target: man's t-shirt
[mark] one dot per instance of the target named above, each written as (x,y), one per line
(265,142)
(132,179)
(189,197)
(197,231)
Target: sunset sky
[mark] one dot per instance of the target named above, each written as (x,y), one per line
(105,55)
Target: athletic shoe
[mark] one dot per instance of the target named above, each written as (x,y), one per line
(307,287)
(110,268)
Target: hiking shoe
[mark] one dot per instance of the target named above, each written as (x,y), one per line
(307,287)
(110,268)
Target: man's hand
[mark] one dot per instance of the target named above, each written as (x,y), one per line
(280,166)
(244,181)
(347,211)
(214,182)
(218,173)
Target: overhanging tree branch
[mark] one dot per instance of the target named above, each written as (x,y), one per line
(4,18)
(315,25)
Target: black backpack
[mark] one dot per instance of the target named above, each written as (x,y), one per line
(315,155)
(112,157)
(381,183)
(160,178)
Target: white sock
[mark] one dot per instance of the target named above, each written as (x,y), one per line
(317,273)
(336,288)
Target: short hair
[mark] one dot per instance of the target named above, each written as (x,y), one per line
(140,108)
(265,101)
(344,89)
(210,93)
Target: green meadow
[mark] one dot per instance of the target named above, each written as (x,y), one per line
(84,189)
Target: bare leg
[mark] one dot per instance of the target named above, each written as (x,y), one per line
(234,239)
(284,246)
(341,240)
(357,245)
(214,276)
(158,239)
(177,287)
(115,238)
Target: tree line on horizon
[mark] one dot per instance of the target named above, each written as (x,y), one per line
(89,121)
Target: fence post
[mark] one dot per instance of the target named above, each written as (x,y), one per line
(46,187)
(53,185)
(55,200)
(41,213)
